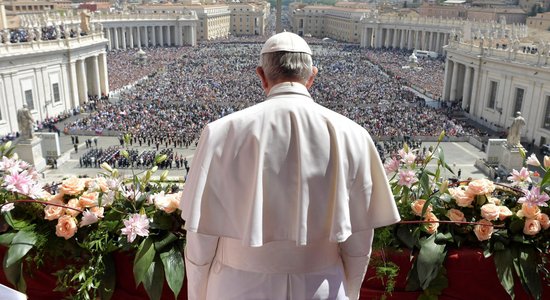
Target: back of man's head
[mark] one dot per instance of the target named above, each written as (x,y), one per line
(286,57)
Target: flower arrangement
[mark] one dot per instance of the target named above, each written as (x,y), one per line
(508,221)
(85,222)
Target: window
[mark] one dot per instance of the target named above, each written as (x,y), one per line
(492,94)
(29,100)
(55,92)
(546,119)
(518,101)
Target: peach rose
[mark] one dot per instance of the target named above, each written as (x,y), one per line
(97,211)
(484,230)
(546,162)
(431,228)
(462,199)
(531,227)
(529,211)
(89,199)
(455,215)
(504,212)
(169,203)
(418,205)
(544,221)
(97,184)
(72,186)
(490,212)
(73,203)
(480,187)
(493,200)
(57,197)
(66,227)
(53,212)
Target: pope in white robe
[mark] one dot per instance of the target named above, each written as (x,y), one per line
(282,197)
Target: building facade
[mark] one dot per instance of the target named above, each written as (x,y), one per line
(50,77)
(540,21)
(493,84)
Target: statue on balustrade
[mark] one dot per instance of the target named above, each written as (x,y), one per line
(25,121)
(514,133)
(85,22)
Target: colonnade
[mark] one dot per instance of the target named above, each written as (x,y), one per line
(124,36)
(460,79)
(404,38)
(88,78)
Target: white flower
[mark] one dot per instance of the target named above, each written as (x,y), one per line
(137,224)
(7,207)
(533,160)
(88,218)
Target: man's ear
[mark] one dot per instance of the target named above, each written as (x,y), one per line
(309,81)
(263,78)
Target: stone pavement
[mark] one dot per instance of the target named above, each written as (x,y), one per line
(458,155)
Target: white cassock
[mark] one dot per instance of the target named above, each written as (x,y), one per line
(281,202)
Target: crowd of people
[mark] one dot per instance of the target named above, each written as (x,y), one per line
(188,87)
(44,33)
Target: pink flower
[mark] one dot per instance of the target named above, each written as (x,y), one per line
(391,166)
(462,199)
(520,177)
(455,215)
(490,212)
(531,227)
(136,225)
(407,178)
(66,227)
(484,230)
(18,182)
(533,160)
(9,165)
(534,197)
(88,218)
(408,158)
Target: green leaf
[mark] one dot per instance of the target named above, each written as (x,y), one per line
(21,244)
(167,240)
(430,260)
(6,238)
(526,269)
(545,180)
(153,280)
(425,183)
(16,224)
(108,282)
(144,258)
(504,264)
(173,269)
(14,274)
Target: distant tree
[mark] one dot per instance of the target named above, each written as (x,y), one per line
(533,11)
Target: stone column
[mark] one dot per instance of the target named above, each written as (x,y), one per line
(169,35)
(73,85)
(447,80)
(108,36)
(103,74)
(161,36)
(395,38)
(115,30)
(82,82)
(454,81)
(154,36)
(475,86)
(438,46)
(467,88)
(96,83)
(431,46)
(193,35)
(124,35)
(409,39)
(146,34)
(131,37)
(402,33)
(139,43)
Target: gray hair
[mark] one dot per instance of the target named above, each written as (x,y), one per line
(286,65)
